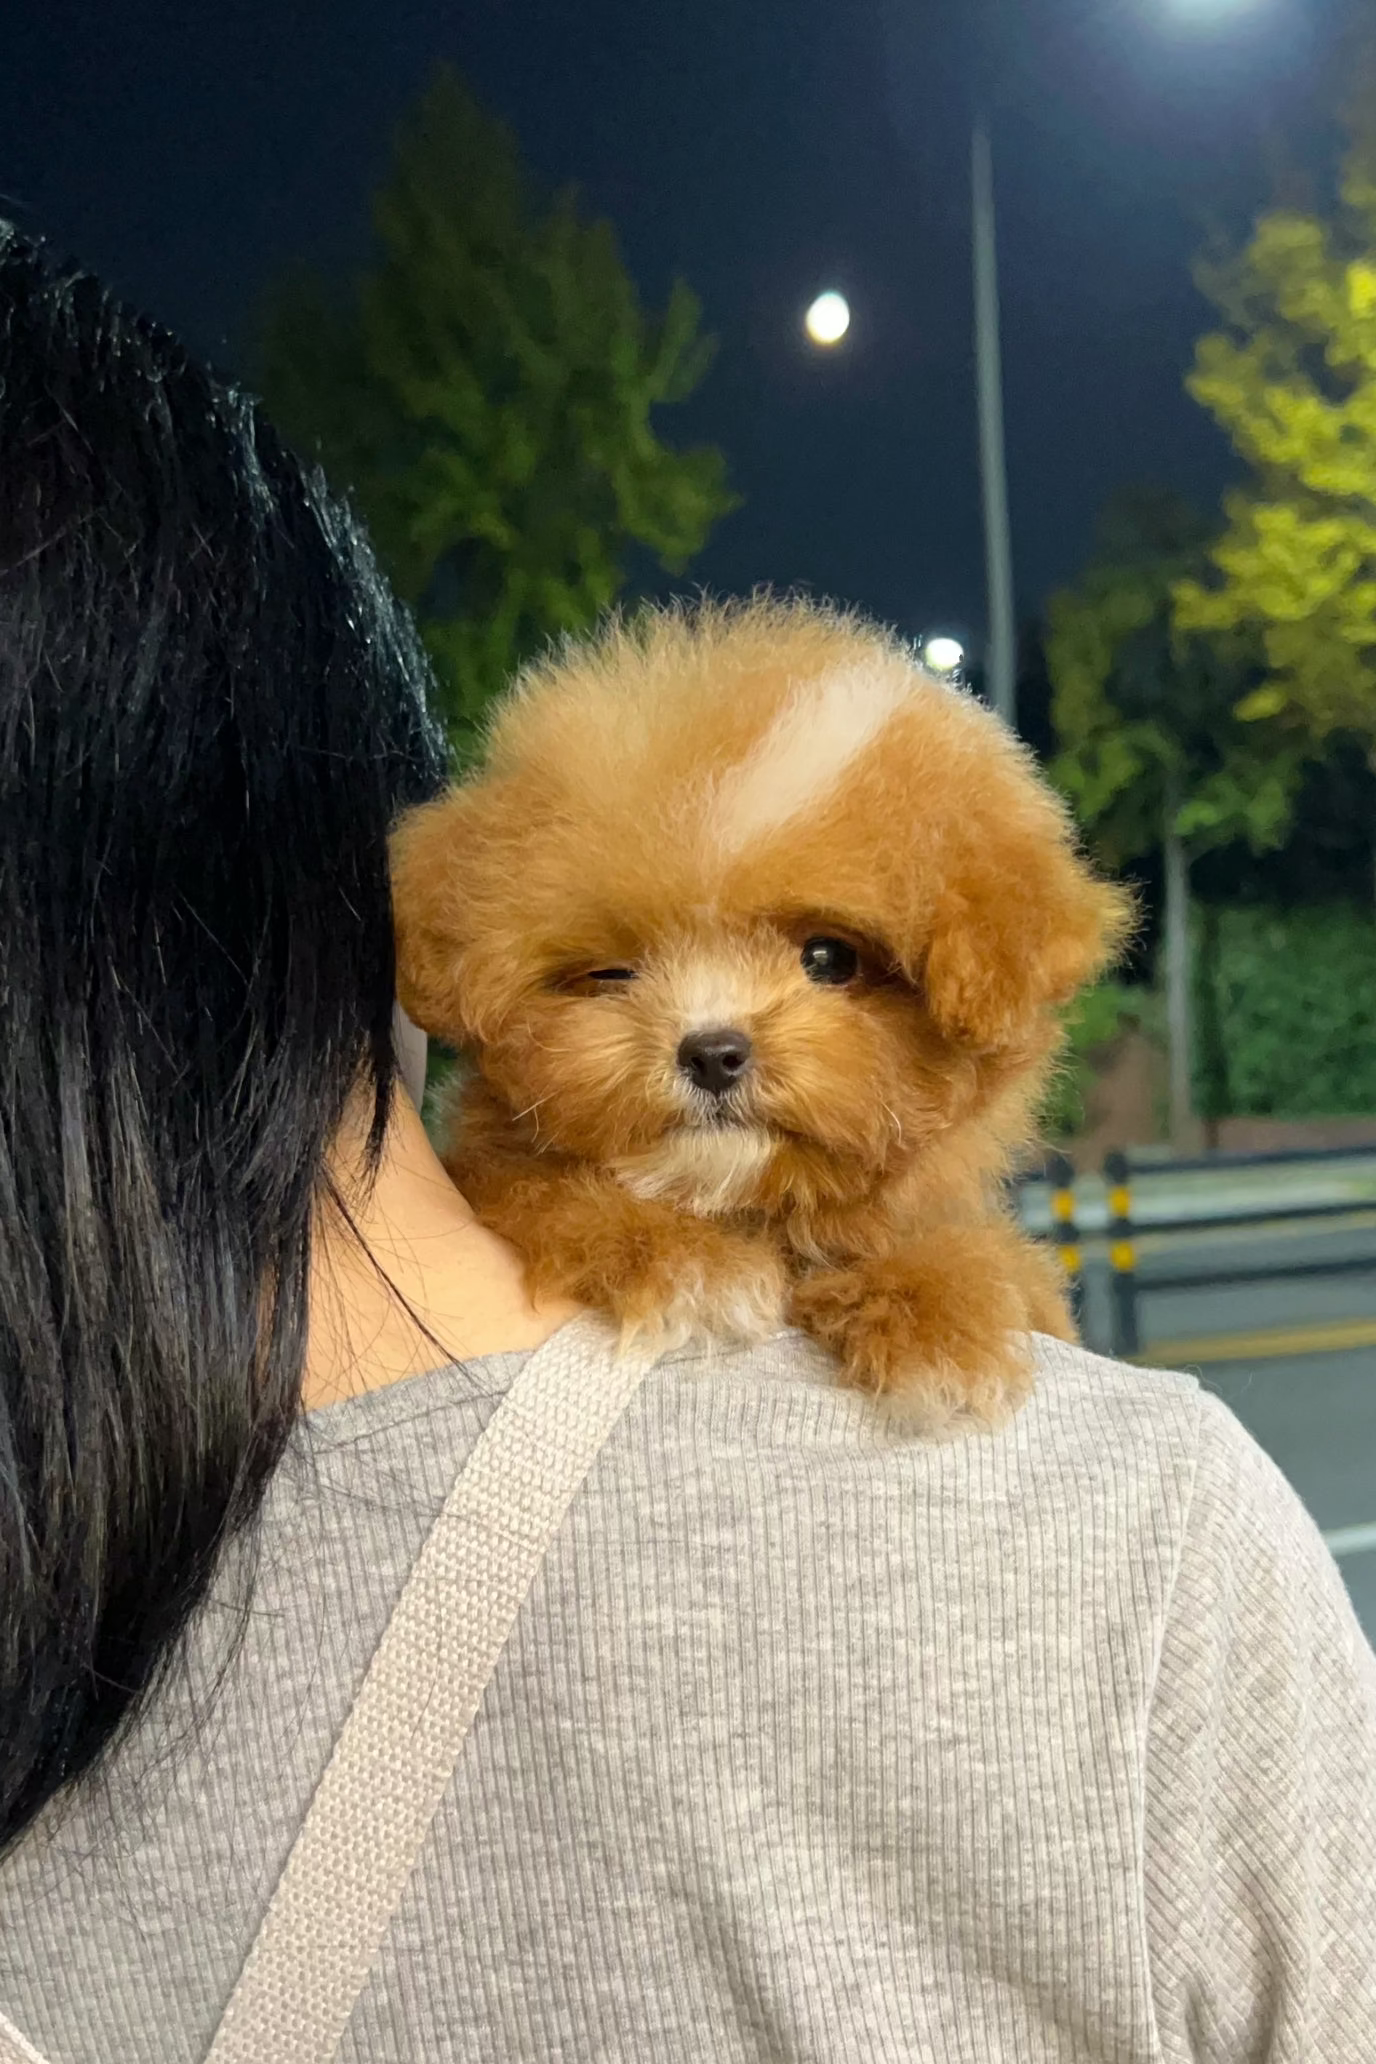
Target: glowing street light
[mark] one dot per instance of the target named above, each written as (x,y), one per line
(943,655)
(828,319)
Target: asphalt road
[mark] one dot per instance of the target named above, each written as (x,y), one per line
(1293,1356)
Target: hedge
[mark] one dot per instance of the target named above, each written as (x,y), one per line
(1286,1012)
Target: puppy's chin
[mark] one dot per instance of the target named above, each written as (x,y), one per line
(710,1170)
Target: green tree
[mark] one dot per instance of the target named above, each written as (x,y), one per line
(487,394)
(1151,753)
(1291,377)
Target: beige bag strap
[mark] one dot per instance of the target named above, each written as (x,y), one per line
(392,1763)
(16,2048)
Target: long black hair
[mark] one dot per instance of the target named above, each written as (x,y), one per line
(211,711)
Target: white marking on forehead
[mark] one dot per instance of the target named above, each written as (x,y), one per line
(824,725)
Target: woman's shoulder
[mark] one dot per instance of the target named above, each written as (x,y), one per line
(787,1387)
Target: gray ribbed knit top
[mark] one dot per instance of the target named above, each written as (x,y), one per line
(812,1742)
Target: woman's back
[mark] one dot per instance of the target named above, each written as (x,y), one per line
(811,1741)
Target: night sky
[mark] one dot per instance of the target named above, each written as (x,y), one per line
(764,149)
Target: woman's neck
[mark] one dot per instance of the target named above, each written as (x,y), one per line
(414,1269)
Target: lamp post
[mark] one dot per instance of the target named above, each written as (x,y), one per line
(1001,661)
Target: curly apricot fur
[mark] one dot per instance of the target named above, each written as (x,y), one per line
(685,797)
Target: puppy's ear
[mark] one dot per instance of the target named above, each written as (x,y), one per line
(439,861)
(1018,925)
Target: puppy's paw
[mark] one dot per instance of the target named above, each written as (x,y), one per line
(940,1346)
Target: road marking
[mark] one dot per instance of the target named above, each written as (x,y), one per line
(1352,1540)
(1271,1343)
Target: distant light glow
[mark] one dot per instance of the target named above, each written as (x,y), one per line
(944,655)
(828,319)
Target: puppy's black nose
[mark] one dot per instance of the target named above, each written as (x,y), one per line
(715,1061)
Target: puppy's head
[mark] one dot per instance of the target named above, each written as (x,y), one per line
(747,909)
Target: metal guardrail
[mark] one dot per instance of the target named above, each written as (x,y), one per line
(1124,1231)
(1060,1174)
(1281,1157)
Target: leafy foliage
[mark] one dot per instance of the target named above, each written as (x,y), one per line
(1145,719)
(487,396)
(1294,996)
(1291,377)
(1285,1001)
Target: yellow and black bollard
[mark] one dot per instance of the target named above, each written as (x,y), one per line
(1065,1231)
(1122,1254)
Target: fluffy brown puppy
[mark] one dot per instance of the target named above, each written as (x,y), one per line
(756,934)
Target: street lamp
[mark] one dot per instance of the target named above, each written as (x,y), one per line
(828,319)
(1001,669)
(943,656)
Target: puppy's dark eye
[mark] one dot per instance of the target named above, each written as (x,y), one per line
(830,961)
(613,974)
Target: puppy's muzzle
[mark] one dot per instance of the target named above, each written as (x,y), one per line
(715,1061)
